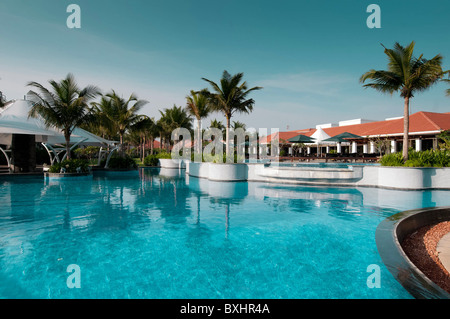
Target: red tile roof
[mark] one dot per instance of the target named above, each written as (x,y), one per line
(420,122)
(156,144)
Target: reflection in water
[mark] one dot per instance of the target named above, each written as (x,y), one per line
(166,235)
(167,194)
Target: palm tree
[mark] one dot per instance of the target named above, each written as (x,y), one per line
(173,118)
(407,75)
(198,106)
(230,97)
(217,124)
(102,124)
(119,114)
(66,106)
(141,131)
(448,81)
(237,124)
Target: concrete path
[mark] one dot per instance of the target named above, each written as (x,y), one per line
(443,249)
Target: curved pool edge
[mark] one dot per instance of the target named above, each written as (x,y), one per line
(391,232)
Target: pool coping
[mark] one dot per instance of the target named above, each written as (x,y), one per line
(391,232)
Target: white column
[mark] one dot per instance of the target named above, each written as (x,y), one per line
(328,149)
(339,148)
(418,145)
(308,150)
(372,148)
(354,148)
(393,146)
(365,148)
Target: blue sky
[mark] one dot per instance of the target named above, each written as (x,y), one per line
(308,55)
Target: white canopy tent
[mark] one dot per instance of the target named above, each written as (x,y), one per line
(14,119)
(319,136)
(80,137)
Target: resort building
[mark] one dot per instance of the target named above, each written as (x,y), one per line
(424,127)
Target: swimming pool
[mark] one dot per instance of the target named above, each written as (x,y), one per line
(159,234)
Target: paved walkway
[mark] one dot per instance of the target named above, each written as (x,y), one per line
(443,249)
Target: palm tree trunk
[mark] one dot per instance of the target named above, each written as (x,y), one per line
(67,138)
(227,134)
(405,128)
(199,137)
(143,150)
(152,140)
(121,144)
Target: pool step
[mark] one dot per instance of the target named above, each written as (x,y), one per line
(313,174)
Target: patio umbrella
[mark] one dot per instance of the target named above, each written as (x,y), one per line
(301,139)
(350,135)
(341,138)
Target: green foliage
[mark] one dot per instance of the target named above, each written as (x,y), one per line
(164,155)
(151,160)
(230,95)
(64,106)
(208,158)
(115,115)
(406,75)
(70,166)
(88,152)
(394,159)
(445,138)
(120,162)
(430,158)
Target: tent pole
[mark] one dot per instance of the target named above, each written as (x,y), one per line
(8,160)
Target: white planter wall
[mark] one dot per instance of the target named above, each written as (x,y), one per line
(363,176)
(172,163)
(219,172)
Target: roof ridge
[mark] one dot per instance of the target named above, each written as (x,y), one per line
(429,120)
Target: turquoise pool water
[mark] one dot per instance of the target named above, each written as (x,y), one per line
(158,234)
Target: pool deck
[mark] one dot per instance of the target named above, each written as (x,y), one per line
(443,249)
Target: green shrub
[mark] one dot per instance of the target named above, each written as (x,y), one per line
(70,166)
(441,158)
(119,162)
(151,160)
(430,158)
(164,155)
(87,152)
(221,159)
(394,159)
